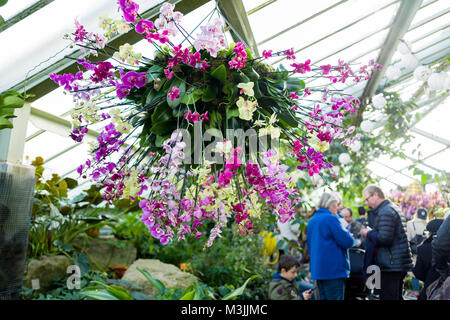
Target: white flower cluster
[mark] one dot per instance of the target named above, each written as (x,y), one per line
(113,26)
(127,55)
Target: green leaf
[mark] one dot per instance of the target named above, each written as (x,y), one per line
(188,295)
(162,128)
(210,93)
(288,118)
(98,294)
(71,183)
(424,178)
(220,73)
(162,113)
(2,21)
(231,113)
(160,140)
(4,123)
(11,101)
(7,113)
(239,290)
(83,263)
(3,2)
(158,284)
(119,292)
(295,84)
(192,97)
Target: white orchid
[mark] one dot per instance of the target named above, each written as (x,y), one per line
(247,88)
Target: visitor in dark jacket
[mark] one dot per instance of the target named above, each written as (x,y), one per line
(441,249)
(423,269)
(328,243)
(392,253)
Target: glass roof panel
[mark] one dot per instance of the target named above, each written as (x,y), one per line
(436,122)
(401,179)
(324,24)
(46,145)
(420,147)
(43,44)
(441,160)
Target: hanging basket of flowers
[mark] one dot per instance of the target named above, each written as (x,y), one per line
(198,133)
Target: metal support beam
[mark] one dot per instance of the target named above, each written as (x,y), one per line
(40,84)
(234,12)
(25,13)
(431,136)
(49,122)
(401,23)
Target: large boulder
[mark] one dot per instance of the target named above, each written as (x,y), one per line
(46,270)
(168,274)
(105,253)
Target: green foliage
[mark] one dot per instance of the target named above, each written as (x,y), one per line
(196,291)
(57,220)
(9,100)
(60,291)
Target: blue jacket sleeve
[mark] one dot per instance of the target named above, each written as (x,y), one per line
(341,236)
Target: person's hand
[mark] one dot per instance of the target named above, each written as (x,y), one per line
(364,232)
(307,294)
(358,243)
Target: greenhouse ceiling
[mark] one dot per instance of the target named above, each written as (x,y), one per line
(321,30)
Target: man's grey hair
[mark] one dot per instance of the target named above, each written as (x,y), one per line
(328,200)
(372,189)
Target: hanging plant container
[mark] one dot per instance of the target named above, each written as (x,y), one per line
(16,196)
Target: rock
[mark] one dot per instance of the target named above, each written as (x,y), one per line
(168,274)
(46,269)
(105,253)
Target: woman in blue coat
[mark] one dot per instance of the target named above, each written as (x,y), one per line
(327,243)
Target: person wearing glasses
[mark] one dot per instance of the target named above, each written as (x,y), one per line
(391,251)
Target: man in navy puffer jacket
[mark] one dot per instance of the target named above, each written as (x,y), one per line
(392,252)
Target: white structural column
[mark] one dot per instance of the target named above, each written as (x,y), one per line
(12,141)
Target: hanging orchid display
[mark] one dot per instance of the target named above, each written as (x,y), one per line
(198,133)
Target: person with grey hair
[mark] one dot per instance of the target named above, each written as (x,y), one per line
(391,251)
(327,243)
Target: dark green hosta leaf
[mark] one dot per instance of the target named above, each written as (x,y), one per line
(220,73)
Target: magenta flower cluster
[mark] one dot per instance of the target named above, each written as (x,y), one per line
(238,61)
